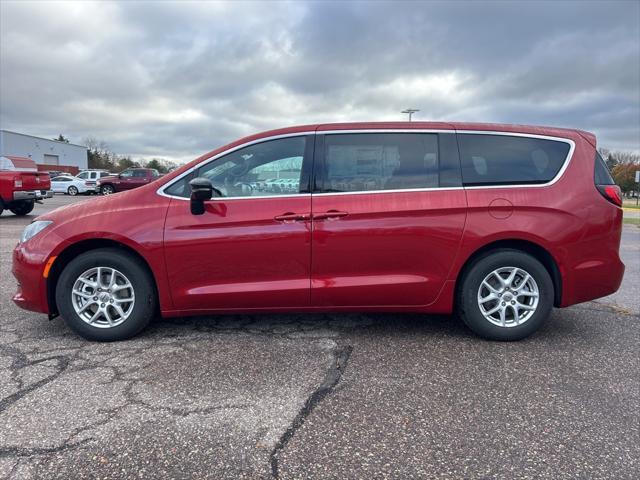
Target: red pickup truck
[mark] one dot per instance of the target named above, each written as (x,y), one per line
(126,180)
(21,185)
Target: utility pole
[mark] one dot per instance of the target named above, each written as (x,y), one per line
(410,111)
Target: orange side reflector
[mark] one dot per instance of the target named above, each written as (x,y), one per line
(47,267)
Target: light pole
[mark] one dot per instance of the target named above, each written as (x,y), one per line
(410,111)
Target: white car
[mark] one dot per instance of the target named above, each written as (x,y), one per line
(69,185)
(91,177)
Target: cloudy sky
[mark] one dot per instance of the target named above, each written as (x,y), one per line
(174,80)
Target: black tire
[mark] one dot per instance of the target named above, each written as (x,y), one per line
(467,299)
(107,189)
(23,207)
(72,190)
(145,305)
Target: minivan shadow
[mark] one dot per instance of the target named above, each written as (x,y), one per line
(318,325)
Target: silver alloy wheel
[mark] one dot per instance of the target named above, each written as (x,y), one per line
(72,190)
(508,296)
(103,297)
(107,190)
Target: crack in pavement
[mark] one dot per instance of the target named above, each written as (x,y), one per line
(20,363)
(88,357)
(331,379)
(28,452)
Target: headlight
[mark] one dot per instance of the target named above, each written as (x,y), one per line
(33,229)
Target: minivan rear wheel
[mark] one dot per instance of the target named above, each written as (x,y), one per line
(106,295)
(505,295)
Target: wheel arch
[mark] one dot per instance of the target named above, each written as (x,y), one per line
(534,249)
(83,246)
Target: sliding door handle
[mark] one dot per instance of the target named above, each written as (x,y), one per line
(330,215)
(292,217)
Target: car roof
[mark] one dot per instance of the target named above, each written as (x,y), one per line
(453,126)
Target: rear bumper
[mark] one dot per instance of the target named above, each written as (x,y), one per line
(593,279)
(31,195)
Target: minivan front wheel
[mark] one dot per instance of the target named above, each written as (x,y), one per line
(106,295)
(505,295)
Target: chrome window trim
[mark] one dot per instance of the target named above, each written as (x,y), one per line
(386,130)
(288,195)
(571,143)
(398,190)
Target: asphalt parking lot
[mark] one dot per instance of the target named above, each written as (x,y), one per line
(321,396)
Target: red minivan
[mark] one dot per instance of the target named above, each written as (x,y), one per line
(499,223)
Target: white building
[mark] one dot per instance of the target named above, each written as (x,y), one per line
(48,154)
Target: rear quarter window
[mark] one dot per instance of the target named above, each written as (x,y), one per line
(506,160)
(601,173)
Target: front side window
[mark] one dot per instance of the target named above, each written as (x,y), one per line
(380,161)
(127,174)
(270,168)
(505,159)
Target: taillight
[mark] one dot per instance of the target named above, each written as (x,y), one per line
(17,183)
(86,184)
(611,193)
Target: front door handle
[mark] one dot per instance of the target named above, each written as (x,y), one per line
(331,214)
(291,217)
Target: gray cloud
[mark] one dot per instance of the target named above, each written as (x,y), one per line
(178,79)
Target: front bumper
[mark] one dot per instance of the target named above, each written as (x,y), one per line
(31,195)
(32,286)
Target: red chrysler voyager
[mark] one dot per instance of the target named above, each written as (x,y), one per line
(499,223)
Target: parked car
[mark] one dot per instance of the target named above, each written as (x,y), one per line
(21,185)
(261,185)
(126,180)
(498,223)
(70,185)
(272,185)
(92,176)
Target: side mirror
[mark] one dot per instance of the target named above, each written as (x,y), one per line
(201,190)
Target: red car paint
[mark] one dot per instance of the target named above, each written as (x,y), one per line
(390,251)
